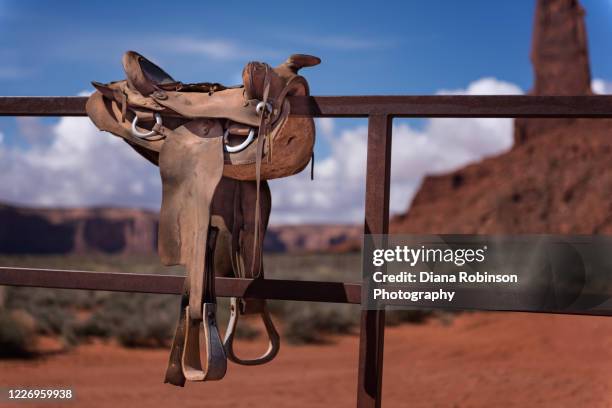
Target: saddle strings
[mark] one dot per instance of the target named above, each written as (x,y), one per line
(263,132)
(237,251)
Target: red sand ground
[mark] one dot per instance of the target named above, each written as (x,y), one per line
(480,360)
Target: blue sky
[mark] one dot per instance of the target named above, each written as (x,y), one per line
(404,47)
(415,47)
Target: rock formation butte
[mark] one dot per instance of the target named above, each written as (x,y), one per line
(560,58)
(78,230)
(131,231)
(556,179)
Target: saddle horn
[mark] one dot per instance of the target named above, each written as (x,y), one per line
(298,61)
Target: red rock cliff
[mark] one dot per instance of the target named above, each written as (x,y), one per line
(557,178)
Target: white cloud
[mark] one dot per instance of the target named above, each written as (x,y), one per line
(485,86)
(78,166)
(441,145)
(32,130)
(325,126)
(601,86)
(214,48)
(219,49)
(339,42)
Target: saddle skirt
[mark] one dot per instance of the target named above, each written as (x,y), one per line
(215,146)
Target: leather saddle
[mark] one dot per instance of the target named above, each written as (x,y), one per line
(215,146)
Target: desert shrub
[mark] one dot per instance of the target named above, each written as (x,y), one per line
(246,331)
(138,332)
(17,334)
(93,326)
(136,320)
(313,322)
(323,267)
(415,316)
(50,308)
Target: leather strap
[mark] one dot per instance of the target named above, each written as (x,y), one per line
(263,132)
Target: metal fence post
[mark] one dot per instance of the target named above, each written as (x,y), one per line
(372,336)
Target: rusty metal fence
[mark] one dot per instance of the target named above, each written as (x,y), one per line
(380,111)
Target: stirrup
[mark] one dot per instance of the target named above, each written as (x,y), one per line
(203,334)
(273,337)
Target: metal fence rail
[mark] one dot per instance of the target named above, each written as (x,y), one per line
(380,111)
(281,289)
(435,106)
